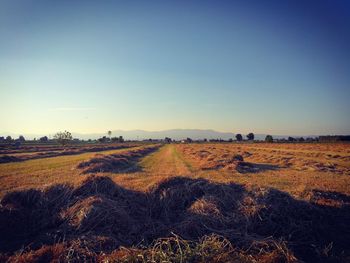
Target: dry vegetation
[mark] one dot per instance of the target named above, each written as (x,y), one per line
(35,152)
(182,203)
(40,173)
(118,162)
(298,169)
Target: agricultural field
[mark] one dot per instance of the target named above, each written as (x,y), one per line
(29,152)
(191,202)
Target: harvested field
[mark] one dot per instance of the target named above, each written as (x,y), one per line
(122,162)
(179,203)
(287,167)
(46,147)
(306,157)
(38,173)
(37,153)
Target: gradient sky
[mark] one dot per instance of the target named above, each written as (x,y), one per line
(279,67)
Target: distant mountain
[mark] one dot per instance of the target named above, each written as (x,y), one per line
(176,134)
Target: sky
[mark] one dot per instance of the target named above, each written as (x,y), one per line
(278,67)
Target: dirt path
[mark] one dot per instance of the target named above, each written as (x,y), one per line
(167,161)
(158,166)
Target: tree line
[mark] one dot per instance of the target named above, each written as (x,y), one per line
(66,137)
(62,138)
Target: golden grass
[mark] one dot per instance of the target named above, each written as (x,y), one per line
(296,178)
(251,214)
(304,172)
(39,173)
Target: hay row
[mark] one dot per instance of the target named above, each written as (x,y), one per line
(60,152)
(119,162)
(215,160)
(178,220)
(260,159)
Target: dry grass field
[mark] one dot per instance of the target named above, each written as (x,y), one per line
(28,152)
(237,202)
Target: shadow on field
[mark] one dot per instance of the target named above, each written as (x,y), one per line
(248,167)
(239,166)
(103,216)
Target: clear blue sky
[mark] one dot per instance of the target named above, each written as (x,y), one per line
(279,67)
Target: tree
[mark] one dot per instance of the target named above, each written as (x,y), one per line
(268,138)
(9,139)
(250,136)
(121,139)
(239,137)
(109,133)
(44,139)
(301,139)
(167,140)
(230,140)
(21,138)
(63,137)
